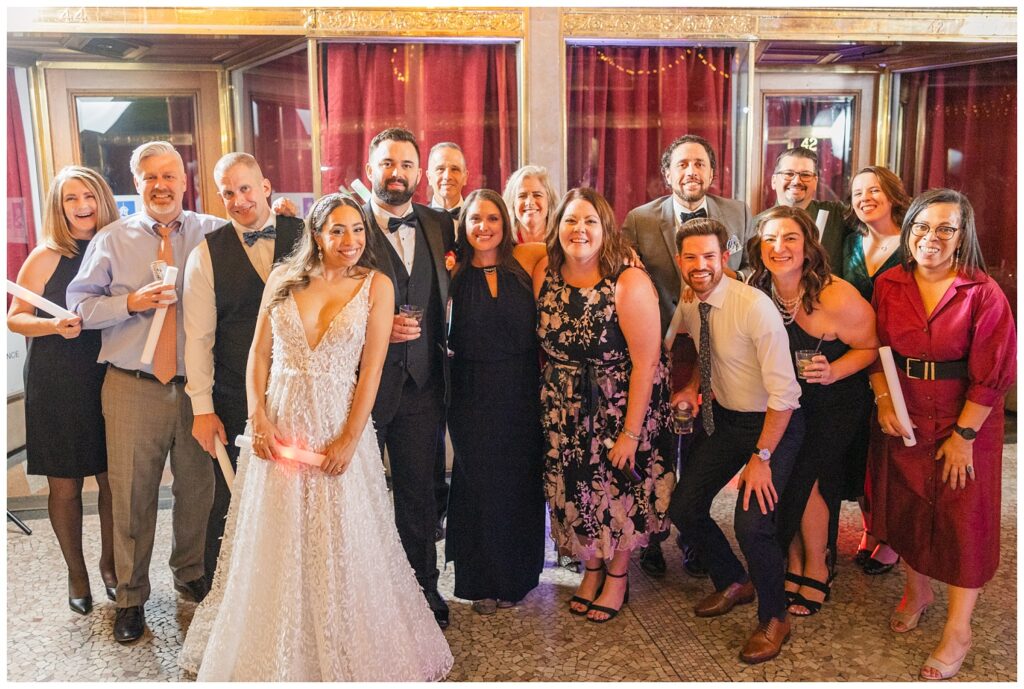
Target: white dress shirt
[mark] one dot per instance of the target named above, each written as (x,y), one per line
(404,239)
(751,369)
(200,312)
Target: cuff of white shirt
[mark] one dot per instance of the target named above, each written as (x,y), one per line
(202,404)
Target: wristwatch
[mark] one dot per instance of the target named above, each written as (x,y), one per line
(965,433)
(763,454)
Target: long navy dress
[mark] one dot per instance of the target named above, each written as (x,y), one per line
(496,506)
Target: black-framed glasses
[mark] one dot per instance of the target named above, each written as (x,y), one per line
(804,176)
(943,232)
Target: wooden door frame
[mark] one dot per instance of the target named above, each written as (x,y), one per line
(203,82)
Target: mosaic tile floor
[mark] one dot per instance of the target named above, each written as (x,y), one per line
(656,638)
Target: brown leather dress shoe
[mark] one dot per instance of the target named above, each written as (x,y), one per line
(721,602)
(766,641)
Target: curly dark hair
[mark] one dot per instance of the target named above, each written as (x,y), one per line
(815,274)
(614,248)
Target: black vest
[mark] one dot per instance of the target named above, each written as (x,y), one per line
(238,289)
(421,355)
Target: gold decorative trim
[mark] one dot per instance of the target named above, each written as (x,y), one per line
(665,24)
(996,25)
(448,22)
(154,20)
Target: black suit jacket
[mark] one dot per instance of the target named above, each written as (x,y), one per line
(439,230)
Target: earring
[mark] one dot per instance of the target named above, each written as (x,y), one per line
(956,258)
(320,253)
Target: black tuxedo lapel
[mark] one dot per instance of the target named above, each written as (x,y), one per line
(434,233)
(380,244)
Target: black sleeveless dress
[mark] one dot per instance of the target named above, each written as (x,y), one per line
(496,505)
(64,432)
(835,415)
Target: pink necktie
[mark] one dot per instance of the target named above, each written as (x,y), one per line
(165,359)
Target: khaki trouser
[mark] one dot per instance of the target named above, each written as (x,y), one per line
(145,421)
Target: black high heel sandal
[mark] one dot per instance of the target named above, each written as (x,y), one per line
(813,606)
(610,612)
(584,601)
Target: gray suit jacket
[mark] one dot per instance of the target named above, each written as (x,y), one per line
(651,229)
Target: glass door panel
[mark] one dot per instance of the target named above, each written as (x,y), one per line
(111,127)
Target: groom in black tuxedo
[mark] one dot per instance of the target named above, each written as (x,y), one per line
(410,241)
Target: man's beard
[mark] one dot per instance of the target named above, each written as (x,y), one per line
(392,197)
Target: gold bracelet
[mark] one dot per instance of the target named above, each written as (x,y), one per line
(629,434)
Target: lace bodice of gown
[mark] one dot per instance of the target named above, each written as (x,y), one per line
(310,389)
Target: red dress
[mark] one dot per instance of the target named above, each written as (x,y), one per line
(949,535)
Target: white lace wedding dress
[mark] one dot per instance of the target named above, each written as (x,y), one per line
(312,582)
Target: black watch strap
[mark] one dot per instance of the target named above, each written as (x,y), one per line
(965,433)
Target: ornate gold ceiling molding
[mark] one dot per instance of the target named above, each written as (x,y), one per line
(453,22)
(996,25)
(151,20)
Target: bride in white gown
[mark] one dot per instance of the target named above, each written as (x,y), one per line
(312,581)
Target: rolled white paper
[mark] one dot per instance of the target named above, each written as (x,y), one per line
(360,188)
(821,221)
(42,303)
(899,404)
(170,275)
(293,453)
(225,464)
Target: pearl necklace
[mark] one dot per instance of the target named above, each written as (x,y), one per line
(787,307)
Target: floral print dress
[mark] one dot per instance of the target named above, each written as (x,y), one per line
(595,509)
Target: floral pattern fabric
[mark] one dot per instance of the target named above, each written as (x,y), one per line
(595,509)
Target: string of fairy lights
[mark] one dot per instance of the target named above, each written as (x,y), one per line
(680,59)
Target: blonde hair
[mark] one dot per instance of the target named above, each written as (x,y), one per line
(515,180)
(56,230)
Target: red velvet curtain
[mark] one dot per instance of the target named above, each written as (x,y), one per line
(466,93)
(791,122)
(278,96)
(627,103)
(21,229)
(969,135)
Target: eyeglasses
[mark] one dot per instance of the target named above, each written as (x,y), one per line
(788,175)
(943,232)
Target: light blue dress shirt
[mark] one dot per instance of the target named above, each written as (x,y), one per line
(116,264)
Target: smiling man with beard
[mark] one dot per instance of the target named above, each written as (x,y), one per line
(749,422)
(410,241)
(145,407)
(795,182)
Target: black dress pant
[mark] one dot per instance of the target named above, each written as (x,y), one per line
(409,432)
(233,415)
(713,461)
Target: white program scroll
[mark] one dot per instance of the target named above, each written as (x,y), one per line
(42,303)
(225,464)
(170,275)
(820,222)
(892,379)
(293,453)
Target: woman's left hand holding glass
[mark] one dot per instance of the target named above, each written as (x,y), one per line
(819,371)
(958,464)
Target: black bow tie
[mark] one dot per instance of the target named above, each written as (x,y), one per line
(454,212)
(395,223)
(251,238)
(699,213)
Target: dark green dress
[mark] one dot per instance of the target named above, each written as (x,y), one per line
(855,270)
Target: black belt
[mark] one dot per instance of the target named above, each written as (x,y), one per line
(176,380)
(930,370)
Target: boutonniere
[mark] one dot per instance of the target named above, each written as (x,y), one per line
(449,261)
